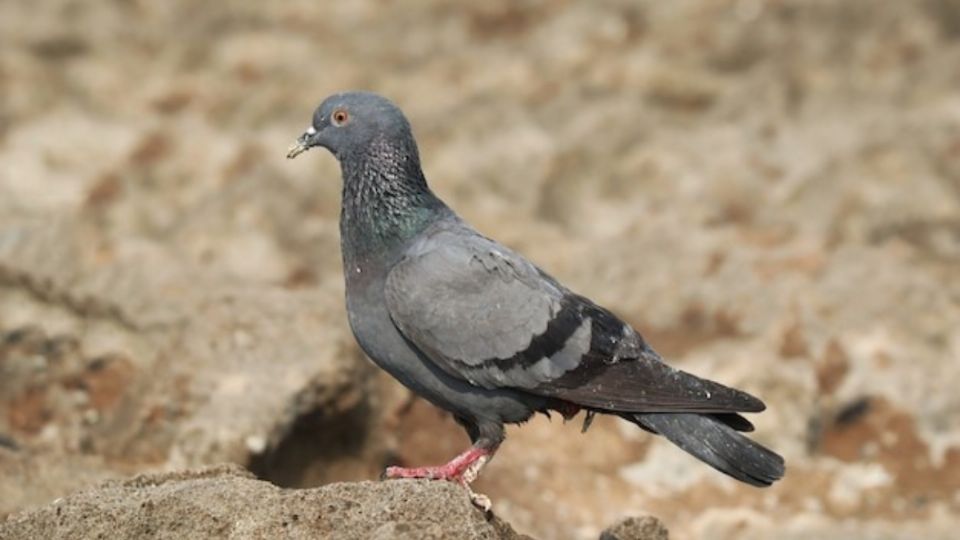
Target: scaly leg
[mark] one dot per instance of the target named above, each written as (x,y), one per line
(462,469)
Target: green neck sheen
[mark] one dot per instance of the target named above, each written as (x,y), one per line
(386,202)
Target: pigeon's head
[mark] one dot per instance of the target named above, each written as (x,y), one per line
(351,121)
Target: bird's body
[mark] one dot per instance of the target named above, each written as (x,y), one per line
(479,331)
(382,341)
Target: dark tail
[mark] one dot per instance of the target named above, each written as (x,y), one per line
(713,441)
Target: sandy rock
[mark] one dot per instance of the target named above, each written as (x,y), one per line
(227,502)
(637,528)
(135,361)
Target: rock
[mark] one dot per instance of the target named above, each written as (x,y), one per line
(142,362)
(228,502)
(637,528)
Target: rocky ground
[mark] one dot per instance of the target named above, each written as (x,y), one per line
(769,191)
(231,503)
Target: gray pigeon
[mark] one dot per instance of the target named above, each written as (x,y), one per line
(480,331)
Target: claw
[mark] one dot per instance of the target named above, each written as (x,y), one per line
(587,420)
(480,500)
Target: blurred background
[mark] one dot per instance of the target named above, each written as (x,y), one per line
(768,190)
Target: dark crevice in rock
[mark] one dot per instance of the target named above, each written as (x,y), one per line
(321,446)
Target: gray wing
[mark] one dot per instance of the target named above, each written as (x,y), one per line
(486,315)
(472,305)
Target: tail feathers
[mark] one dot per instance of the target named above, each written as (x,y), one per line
(717,444)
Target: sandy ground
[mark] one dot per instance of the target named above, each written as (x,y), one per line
(769,191)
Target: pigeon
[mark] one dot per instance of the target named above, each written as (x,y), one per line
(480,331)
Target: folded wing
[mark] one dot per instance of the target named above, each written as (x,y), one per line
(486,315)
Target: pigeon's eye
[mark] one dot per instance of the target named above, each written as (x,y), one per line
(339,117)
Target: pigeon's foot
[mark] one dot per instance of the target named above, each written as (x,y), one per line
(480,500)
(462,469)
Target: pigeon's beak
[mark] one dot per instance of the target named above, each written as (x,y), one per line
(304,143)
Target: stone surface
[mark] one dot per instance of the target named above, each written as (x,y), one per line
(120,364)
(634,528)
(227,502)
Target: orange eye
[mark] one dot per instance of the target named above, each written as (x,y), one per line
(339,117)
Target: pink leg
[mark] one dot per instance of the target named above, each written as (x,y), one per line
(463,468)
